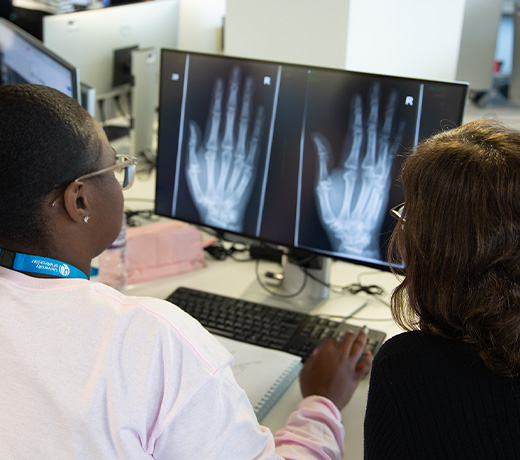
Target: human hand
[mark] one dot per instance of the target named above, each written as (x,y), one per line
(352,196)
(220,171)
(335,370)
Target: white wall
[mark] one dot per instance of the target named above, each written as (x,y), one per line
(441,39)
(412,38)
(478,43)
(298,31)
(200,25)
(400,37)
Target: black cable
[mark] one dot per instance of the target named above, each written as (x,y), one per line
(356,288)
(353,288)
(219,252)
(274,293)
(136,218)
(351,316)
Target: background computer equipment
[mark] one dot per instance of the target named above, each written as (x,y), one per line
(478,44)
(145,101)
(122,73)
(89,38)
(24,59)
(88,98)
(80,4)
(308,114)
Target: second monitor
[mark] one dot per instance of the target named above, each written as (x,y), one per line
(24,59)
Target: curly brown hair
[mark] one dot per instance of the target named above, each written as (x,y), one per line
(460,241)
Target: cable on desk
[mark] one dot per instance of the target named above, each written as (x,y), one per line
(353,288)
(377,296)
(351,316)
(219,252)
(356,288)
(141,217)
(146,162)
(275,293)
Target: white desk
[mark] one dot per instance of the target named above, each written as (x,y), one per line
(238,279)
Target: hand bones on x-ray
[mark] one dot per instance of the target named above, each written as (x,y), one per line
(220,172)
(352,197)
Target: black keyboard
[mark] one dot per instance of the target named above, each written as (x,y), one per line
(264,325)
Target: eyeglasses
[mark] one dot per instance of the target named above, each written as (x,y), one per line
(397,213)
(124,171)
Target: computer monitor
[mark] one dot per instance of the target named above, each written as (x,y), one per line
(90,38)
(303,157)
(24,59)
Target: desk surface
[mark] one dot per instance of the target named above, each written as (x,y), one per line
(238,279)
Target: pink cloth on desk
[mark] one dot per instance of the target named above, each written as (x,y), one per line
(162,249)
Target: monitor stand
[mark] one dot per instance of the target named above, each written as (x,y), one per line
(315,283)
(296,291)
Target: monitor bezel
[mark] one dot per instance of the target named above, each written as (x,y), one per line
(40,46)
(242,238)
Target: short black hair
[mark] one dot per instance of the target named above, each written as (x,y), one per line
(46,141)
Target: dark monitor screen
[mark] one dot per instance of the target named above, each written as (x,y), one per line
(298,156)
(24,59)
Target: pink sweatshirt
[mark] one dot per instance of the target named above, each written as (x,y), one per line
(89,373)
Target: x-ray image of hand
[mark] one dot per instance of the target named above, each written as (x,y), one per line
(352,197)
(221,168)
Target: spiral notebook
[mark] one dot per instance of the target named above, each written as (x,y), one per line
(264,374)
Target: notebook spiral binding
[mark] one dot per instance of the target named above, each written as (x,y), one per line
(278,388)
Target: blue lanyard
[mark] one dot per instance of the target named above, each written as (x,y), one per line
(37,264)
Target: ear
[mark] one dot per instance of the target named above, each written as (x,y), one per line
(76,202)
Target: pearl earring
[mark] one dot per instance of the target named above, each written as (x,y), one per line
(86,219)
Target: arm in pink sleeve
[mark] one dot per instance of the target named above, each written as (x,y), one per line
(313,431)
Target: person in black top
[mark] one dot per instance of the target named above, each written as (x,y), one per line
(449,387)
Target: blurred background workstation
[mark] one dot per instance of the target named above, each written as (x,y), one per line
(249,118)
